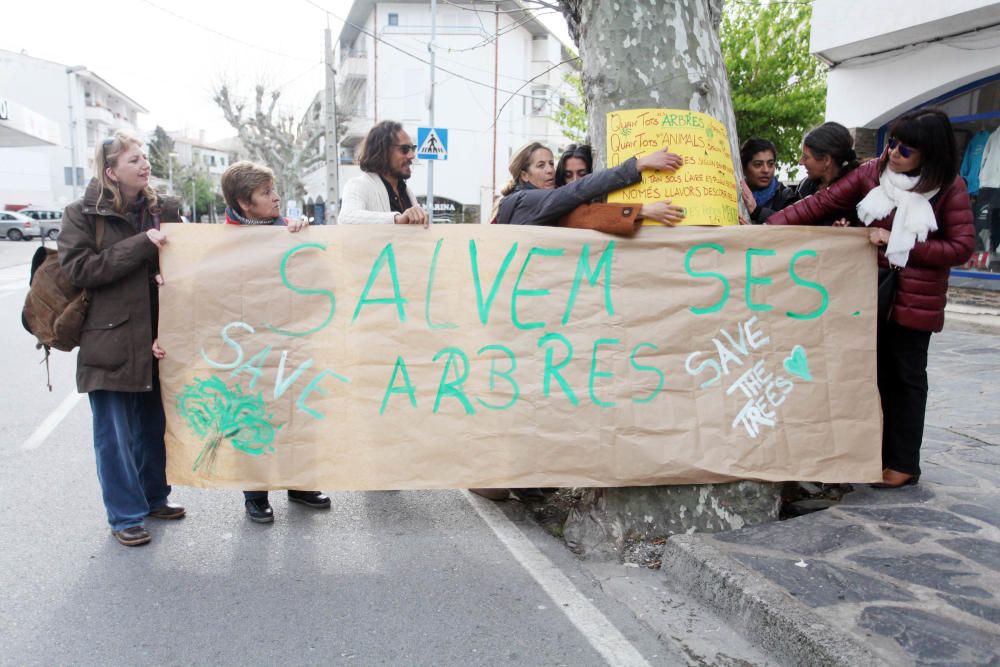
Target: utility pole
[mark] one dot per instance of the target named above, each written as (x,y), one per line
(170,172)
(430,163)
(332,152)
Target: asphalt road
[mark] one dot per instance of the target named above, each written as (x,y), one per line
(412,578)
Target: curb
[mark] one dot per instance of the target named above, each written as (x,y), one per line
(765,614)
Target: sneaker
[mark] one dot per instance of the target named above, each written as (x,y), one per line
(168,512)
(259,510)
(313,499)
(132,536)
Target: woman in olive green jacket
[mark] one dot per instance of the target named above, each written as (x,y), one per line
(109,245)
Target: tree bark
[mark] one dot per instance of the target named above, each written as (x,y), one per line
(656,54)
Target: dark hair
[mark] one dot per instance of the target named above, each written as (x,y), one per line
(752,146)
(377,146)
(835,140)
(581,152)
(929,131)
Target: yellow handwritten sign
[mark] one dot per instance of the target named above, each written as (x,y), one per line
(705,186)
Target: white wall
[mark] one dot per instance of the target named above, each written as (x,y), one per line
(35,175)
(881,24)
(892,55)
(870,95)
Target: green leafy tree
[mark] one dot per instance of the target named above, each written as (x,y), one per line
(778,88)
(160,148)
(208,202)
(572,117)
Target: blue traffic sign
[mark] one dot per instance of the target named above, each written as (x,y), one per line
(432,143)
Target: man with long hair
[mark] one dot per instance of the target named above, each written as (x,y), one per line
(379,195)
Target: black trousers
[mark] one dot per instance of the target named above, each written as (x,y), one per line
(902,386)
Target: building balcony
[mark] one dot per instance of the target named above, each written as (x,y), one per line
(100,115)
(357,129)
(352,68)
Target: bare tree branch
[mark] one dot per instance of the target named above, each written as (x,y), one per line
(287,147)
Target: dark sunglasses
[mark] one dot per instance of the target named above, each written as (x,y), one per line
(406,149)
(904,150)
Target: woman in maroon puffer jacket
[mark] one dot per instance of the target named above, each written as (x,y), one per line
(921,220)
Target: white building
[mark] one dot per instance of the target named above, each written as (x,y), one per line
(82,107)
(208,158)
(891,56)
(383,74)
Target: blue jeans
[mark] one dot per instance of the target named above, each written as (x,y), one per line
(131,458)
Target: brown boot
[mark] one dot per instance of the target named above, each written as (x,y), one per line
(893,479)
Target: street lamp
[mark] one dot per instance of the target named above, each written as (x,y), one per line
(170,172)
(72,127)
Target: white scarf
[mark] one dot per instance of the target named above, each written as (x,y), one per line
(914,215)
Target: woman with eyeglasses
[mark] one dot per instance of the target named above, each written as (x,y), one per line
(917,208)
(109,245)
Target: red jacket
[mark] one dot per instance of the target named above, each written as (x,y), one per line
(923,285)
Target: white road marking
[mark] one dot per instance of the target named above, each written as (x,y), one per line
(50,423)
(592,624)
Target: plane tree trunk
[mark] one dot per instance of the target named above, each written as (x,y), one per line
(656,54)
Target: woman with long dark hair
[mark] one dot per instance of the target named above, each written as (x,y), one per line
(917,208)
(828,155)
(576,162)
(109,245)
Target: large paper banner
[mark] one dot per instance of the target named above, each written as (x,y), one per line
(398,357)
(705,186)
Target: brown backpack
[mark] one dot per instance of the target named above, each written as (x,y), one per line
(54,309)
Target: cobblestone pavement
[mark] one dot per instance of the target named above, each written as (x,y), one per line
(908,576)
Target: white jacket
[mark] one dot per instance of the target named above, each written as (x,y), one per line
(366,202)
(989,172)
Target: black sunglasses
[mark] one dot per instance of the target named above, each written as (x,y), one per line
(904,150)
(406,149)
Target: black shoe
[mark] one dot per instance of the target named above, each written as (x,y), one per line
(528,494)
(259,510)
(313,499)
(132,536)
(167,512)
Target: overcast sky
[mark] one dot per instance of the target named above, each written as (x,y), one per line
(168,55)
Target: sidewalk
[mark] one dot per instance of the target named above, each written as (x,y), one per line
(896,577)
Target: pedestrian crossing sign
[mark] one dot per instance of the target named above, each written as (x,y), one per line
(433,143)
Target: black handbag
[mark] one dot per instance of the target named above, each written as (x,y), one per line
(887,277)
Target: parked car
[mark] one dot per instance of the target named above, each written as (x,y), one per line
(49,219)
(17,226)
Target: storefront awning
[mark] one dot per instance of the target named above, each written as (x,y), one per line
(20,126)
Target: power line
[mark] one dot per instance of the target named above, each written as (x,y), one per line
(222,34)
(427,62)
